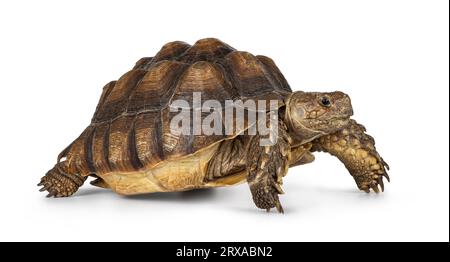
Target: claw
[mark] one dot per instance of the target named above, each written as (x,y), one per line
(279,207)
(380,181)
(387,177)
(384,163)
(41,183)
(51,193)
(278,188)
(47,186)
(375,188)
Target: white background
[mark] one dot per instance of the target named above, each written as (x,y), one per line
(391,57)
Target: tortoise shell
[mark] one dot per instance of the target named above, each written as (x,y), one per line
(130,128)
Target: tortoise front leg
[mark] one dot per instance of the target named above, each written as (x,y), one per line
(357,151)
(266,166)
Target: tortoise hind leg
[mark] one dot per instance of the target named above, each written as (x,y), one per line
(59,183)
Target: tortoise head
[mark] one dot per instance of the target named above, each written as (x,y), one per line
(313,114)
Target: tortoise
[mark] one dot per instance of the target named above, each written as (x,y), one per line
(130,148)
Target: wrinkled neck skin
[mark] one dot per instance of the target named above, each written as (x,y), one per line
(298,132)
(303,135)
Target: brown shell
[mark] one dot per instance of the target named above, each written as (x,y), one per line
(130,128)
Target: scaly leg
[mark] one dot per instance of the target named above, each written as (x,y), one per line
(357,151)
(59,183)
(267,165)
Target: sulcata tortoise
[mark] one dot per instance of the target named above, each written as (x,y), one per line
(131,147)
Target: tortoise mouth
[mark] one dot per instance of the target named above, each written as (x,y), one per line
(330,125)
(340,123)
(333,120)
(343,119)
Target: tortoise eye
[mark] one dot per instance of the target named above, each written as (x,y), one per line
(325,101)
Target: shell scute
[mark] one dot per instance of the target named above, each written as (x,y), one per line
(130,129)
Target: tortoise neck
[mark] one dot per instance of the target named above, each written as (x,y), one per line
(299,133)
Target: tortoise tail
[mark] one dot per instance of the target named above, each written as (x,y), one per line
(59,183)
